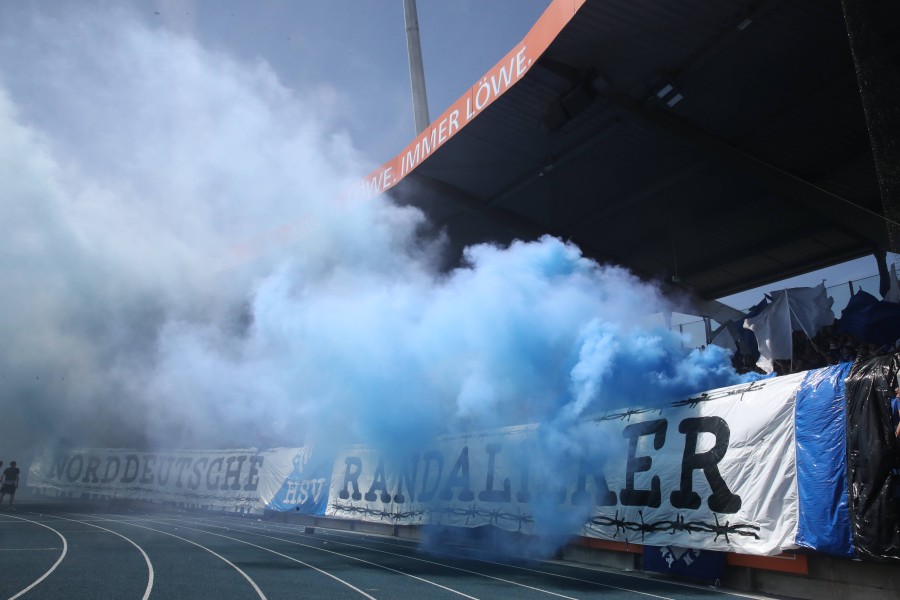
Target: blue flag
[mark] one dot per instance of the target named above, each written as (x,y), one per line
(705,565)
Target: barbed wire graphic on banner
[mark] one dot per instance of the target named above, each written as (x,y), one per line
(720,394)
(474,513)
(725,529)
(626,415)
(437,514)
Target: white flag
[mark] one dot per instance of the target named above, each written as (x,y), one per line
(794,309)
(772,327)
(724,339)
(810,308)
(893,294)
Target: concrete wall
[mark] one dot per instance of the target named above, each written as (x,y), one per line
(828,578)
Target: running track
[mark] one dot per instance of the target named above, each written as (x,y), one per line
(52,551)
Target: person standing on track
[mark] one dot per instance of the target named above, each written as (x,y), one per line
(10,483)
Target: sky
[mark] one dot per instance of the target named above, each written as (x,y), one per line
(140,142)
(862,268)
(354,51)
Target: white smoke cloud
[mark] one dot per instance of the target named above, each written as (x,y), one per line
(135,160)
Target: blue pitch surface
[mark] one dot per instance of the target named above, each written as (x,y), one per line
(52,550)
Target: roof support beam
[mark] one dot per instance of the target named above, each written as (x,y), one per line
(860,222)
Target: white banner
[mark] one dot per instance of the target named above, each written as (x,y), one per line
(714,472)
(243,480)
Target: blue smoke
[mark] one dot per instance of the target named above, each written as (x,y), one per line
(532,333)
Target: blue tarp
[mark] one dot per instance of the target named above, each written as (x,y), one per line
(871,320)
(820,429)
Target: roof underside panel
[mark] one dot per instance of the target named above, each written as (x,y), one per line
(697,142)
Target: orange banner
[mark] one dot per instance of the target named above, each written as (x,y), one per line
(787,562)
(505,74)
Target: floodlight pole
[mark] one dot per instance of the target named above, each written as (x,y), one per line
(416,68)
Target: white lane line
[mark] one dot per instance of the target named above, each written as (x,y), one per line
(573,566)
(511,566)
(291,558)
(210,550)
(65,549)
(435,584)
(508,581)
(605,585)
(127,539)
(337,533)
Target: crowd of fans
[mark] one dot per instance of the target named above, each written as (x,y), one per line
(828,347)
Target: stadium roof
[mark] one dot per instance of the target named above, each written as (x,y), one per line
(720,145)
